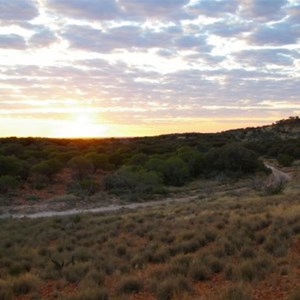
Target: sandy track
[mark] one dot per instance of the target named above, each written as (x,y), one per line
(276,177)
(103,209)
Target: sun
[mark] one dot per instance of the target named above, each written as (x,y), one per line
(83,125)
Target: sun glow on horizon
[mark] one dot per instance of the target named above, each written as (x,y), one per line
(82,125)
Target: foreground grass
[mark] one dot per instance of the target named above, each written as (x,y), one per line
(226,248)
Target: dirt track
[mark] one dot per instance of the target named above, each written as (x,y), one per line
(275,177)
(110,208)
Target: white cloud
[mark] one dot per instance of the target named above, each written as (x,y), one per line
(12,41)
(17,10)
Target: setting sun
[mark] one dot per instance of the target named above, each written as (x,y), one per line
(82,125)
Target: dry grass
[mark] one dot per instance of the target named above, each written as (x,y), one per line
(166,251)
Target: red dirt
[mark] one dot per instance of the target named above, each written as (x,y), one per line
(46,291)
(56,188)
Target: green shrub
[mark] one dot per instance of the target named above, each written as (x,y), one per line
(181,264)
(285,160)
(175,171)
(81,167)
(231,272)
(75,273)
(134,181)
(130,285)
(32,197)
(199,271)
(275,188)
(248,252)
(237,292)
(18,268)
(248,271)
(89,294)
(215,265)
(83,187)
(232,159)
(160,256)
(25,284)
(172,286)
(8,183)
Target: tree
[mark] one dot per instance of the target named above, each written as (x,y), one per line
(134,181)
(99,161)
(193,158)
(285,160)
(138,159)
(155,164)
(8,183)
(47,168)
(232,159)
(10,165)
(81,167)
(83,188)
(175,171)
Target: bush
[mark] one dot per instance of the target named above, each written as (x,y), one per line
(89,294)
(172,286)
(81,167)
(233,159)
(285,160)
(133,180)
(193,158)
(215,265)
(83,188)
(25,284)
(175,171)
(130,285)
(199,271)
(275,188)
(47,168)
(10,165)
(248,271)
(99,161)
(8,183)
(238,292)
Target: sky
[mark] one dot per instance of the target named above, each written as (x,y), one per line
(96,68)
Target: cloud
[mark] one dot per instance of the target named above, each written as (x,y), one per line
(91,39)
(130,37)
(44,37)
(278,34)
(215,8)
(264,57)
(17,10)
(229,29)
(294,14)
(191,41)
(262,10)
(118,10)
(83,9)
(154,8)
(12,41)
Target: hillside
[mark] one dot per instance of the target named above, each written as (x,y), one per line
(281,130)
(69,171)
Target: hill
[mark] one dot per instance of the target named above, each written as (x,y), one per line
(281,130)
(38,169)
